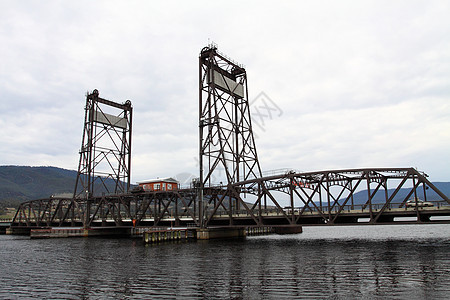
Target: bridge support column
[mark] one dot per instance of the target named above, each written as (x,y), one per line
(290,229)
(219,233)
(424,218)
(18,230)
(385,219)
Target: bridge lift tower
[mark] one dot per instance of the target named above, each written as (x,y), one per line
(227,150)
(226,138)
(105,155)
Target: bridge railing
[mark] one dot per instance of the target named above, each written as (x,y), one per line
(275,211)
(357,208)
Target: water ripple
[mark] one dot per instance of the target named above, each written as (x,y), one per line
(328,263)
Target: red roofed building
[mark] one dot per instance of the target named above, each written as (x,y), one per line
(159,184)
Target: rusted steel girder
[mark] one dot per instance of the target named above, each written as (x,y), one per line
(227,150)
(105,154)
(325,197)
(329,193)
(112,210)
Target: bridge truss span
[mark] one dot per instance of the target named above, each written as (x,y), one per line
(157,208)
(332,197)
(231,190)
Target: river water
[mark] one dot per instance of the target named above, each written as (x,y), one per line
(354,262)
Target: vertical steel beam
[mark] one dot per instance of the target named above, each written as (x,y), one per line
(226,141)
(369,195)
(105,154)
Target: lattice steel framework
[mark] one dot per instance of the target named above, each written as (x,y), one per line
(327,197)
(226,144)
(314,198)
(226,138)
(105,155)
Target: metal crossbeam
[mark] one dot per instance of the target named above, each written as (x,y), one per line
(308,204)
(105,155)
(242,197)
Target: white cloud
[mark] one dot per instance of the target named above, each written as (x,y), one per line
(360,84)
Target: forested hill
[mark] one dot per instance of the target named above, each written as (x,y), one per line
(361,196)
(22,183)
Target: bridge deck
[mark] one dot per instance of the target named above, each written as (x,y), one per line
(274,217)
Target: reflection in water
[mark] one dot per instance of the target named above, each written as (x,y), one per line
(335,263)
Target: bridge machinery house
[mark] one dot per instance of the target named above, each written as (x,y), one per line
(159,184)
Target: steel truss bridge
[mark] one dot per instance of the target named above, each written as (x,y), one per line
(226,145)
(316,198)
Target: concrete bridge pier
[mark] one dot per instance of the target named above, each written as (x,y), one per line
(227,232)
(288,229)
(219,233)
(424,218)
(18,230)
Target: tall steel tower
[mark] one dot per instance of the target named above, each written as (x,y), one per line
(105,155)
(227,146)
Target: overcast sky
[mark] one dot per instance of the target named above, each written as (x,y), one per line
(352,84)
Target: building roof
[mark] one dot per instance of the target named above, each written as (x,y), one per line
(167,179)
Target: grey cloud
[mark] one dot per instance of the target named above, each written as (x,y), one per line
(355,80)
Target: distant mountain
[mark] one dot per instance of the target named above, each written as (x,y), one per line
(361,196)
(23,183)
